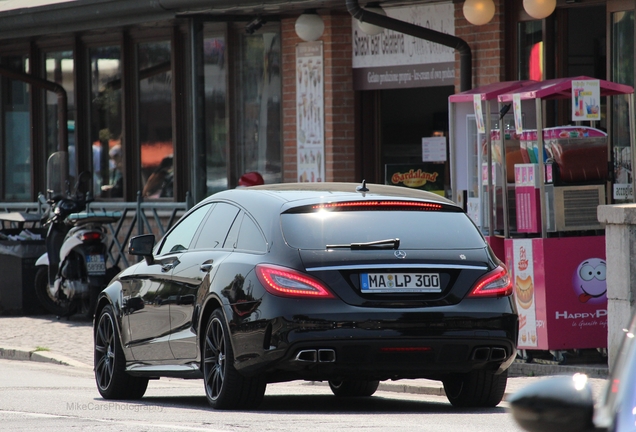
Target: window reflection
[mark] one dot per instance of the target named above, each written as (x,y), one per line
(60,69)
(106,120)
(622,61)
(530,49)
(155,118)
(215,74)
(258,108)
(17,134)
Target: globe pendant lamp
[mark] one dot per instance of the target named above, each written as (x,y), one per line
(479,12)
(539,9)
(309,26)
(372,29)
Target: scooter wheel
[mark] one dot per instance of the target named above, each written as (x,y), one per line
(44,296)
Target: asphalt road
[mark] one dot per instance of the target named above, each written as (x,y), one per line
(44,396)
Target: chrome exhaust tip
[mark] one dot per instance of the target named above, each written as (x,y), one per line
(326,356)
(498,353)
(481,354)
(308,356)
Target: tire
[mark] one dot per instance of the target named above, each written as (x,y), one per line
(225,387)
(112,380)
(481,389)
(353,388)
(52,305)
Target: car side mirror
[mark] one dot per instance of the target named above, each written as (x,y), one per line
(142,246)
(558,404)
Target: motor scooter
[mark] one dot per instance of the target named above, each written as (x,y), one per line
(72,272)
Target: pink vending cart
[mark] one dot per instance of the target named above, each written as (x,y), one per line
(472,151)
(556,254)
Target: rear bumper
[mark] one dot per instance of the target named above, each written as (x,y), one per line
(391,359)
(398,346)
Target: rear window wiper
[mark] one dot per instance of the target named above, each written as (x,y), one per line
(377,244)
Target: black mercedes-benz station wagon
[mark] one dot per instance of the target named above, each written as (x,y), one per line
(340,282)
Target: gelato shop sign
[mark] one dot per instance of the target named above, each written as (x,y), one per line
(393,60)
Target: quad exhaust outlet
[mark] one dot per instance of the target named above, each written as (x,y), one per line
(316,356)
(487,353)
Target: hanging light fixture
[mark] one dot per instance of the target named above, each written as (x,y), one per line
(479,12)
(372,29)
(539,9)
(309,26)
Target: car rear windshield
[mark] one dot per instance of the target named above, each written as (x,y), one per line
(311,229)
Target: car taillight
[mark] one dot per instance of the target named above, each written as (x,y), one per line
(497,283)
(285,282)
(91,236)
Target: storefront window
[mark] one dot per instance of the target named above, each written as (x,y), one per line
(258,89)
(16,178)
(106,122)
(530,51)
(155,118)
(60,69)
(622,71)
(216,137)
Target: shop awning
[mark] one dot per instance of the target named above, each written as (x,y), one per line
(28,18)
(561,88)
(490,91)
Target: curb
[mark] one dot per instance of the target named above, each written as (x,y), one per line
(39,356)
(423,387)
(523,369)
(432,388)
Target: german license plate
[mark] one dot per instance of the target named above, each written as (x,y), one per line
(400,282)
(95,264)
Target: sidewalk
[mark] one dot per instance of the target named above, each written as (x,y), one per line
(70,342)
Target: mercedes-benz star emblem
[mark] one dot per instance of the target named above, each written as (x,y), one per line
(400,254)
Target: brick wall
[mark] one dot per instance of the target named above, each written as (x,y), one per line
(338,94)
(486,43)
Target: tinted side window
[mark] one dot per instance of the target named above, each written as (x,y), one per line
(232,236)
(216,227)
(250,237)
(181,235)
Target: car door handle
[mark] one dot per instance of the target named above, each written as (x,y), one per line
(206,267)
(166,267)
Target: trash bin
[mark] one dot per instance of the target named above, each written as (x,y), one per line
(18,254)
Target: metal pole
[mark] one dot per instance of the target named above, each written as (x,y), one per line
(504,170)
(541,173)
(452,119)
(632,150)
(491,201)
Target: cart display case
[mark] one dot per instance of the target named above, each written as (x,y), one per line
(476,187)
(557,254)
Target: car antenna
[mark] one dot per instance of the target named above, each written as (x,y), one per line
(363,187)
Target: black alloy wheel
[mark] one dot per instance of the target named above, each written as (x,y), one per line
(52,305)
(112,380)
(476,389)
(353,388)
(225,387)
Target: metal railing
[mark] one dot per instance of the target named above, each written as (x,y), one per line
(136,218)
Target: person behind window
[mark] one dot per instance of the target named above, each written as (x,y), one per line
(116,187)
(160,182)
